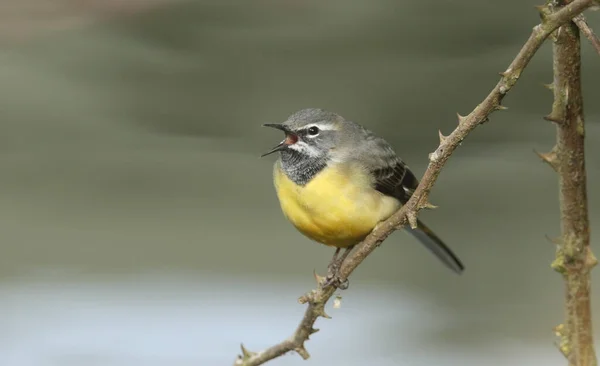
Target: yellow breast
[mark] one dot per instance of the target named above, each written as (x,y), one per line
(338,207)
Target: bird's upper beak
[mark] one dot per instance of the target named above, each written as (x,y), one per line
(290,138)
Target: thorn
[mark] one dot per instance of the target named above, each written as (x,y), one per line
(500,107)
(428,206)
(507,73)
(302,352)
(460,118)
(318,278)
(412,219)
(557,241)
(310,332)
(245,353)
(549,86)
(549,158)
(554,119)
(590,260)
(442,137)
(321,312)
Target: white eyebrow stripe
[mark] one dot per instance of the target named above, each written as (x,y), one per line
(322,127)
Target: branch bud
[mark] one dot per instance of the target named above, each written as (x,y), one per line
(563,345)
(558,264)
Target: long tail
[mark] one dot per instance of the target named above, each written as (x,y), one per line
(436,246)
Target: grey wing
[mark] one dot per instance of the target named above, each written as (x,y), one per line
(392,177)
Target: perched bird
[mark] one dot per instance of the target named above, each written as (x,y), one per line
(336,181)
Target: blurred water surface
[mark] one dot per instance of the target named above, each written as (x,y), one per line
(139,226)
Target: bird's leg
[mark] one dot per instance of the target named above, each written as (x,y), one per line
(345,254)
(334,267)
(334,263)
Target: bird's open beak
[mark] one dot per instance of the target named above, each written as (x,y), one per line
(290,138)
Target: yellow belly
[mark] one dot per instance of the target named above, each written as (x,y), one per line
(332,209)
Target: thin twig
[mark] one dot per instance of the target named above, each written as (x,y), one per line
(316,299)
(574,258)
(588,32)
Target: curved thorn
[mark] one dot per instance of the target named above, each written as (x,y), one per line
(442,137)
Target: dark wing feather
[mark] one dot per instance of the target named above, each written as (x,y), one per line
(395,180)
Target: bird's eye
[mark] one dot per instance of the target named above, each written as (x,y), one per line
(313,131)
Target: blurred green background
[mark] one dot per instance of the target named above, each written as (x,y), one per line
(139,226)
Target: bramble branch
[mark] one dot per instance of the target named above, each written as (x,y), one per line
(316,299)
(588,32)
(574,258)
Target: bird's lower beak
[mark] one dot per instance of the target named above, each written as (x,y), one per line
(279,147)
(290,138)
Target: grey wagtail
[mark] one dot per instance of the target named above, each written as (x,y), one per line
(336,181)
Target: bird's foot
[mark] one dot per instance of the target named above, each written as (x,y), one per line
(333,276)
(336,282)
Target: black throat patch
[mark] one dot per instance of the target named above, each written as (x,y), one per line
(301,168)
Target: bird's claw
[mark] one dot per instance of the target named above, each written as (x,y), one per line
(333,279)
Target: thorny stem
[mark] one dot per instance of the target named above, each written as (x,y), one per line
(316,299)
(574,258)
